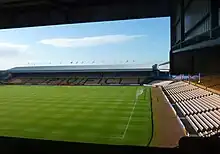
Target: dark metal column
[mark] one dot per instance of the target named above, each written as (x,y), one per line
(214,15)
(182,20)
(172,33)
(172,41)
(171,62)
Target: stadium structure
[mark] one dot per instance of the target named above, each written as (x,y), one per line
(122,91)
(188,101)
(190,107)
(80,75)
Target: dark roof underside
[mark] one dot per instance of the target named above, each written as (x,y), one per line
(26,13)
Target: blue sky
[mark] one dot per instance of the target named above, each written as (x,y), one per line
(143,41)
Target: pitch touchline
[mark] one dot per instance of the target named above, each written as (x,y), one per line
(126,128)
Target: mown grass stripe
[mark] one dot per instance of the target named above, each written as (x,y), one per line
(84,114)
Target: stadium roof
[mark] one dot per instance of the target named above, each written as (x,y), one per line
(165,63)
(26,13)
(80,68)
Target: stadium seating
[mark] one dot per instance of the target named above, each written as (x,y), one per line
(201,108)
(160,83)
(64,81)
(36,80)
(92,81)
(180,90)
(18,80)
(129,81)
(76,79)
(54,81)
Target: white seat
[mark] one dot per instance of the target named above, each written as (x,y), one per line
(206,121)
(192,124)
(215,115)
(216,112)
(196,123)
(198,105)
(211,101)
(211,106)
(201,122)
(184,108)
(200,134)
(199,109)
(211,120)
(180,108)
(191,107)
(174,98)
(187,107)
(203,105)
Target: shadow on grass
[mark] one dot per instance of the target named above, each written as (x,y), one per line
(21,145)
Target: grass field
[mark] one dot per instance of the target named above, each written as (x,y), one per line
(93,114)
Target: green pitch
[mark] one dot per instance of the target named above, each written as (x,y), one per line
(92,114)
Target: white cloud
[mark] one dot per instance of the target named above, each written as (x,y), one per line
(88,41)
(12,55)
(11,50)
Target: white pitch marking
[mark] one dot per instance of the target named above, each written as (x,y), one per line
(129,119)
(136,99)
